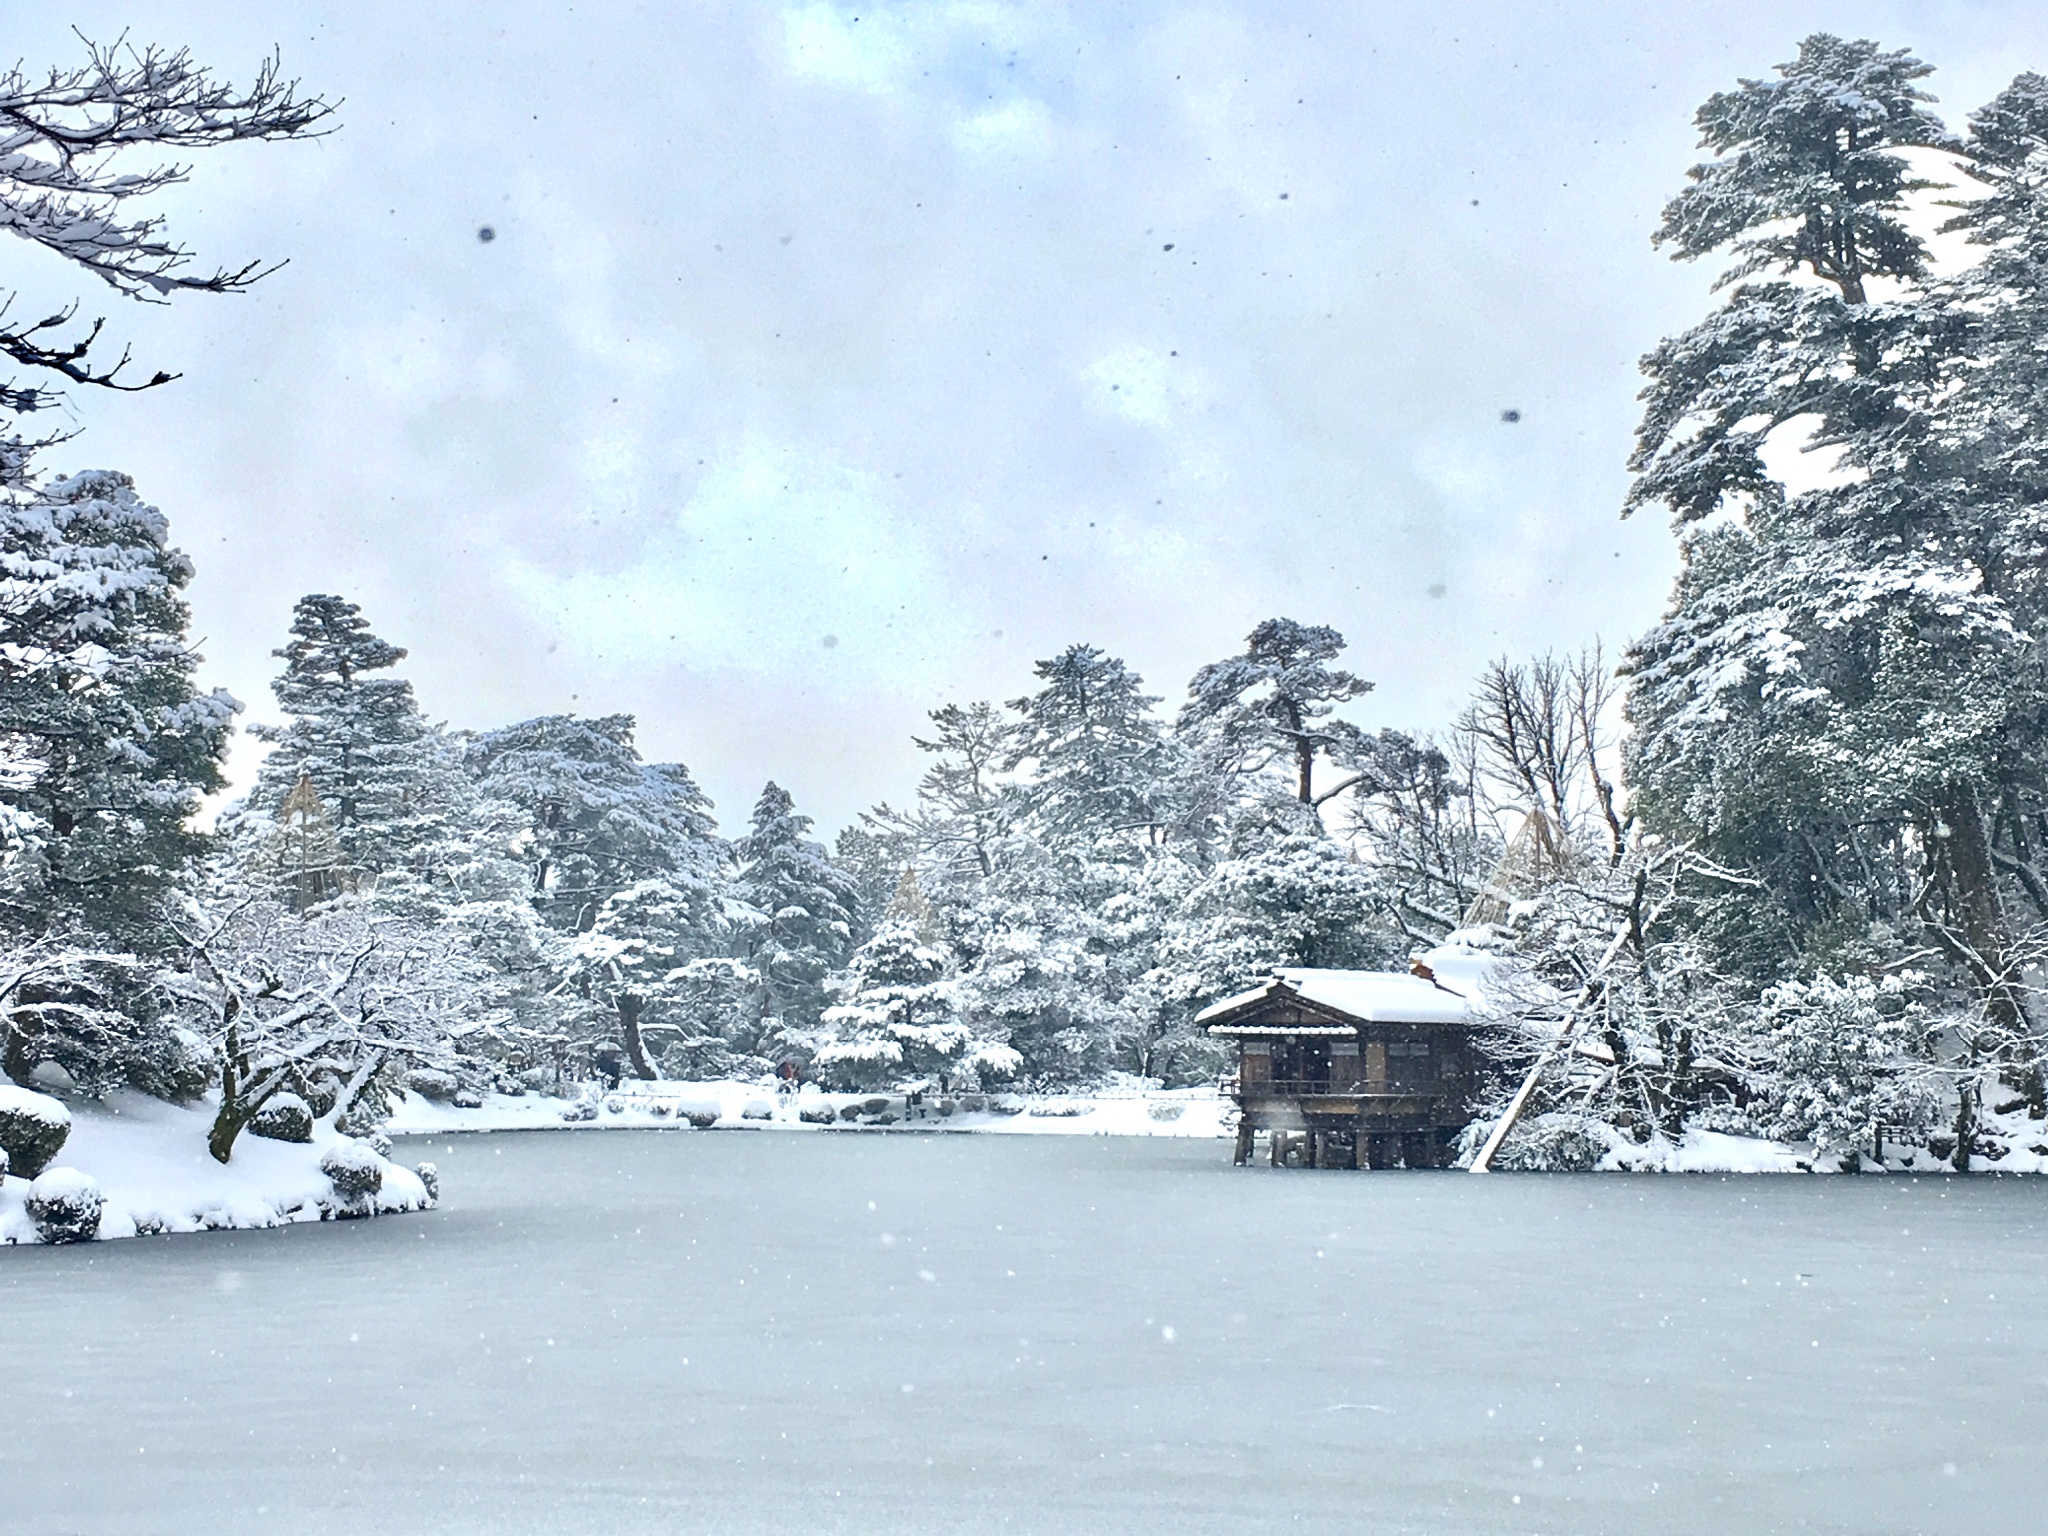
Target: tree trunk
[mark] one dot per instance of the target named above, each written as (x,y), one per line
(17,1063)
(234,1067)
(629,1005)
(1989,934)
(1966,1126)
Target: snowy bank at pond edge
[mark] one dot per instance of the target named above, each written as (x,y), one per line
(1184,1112)
(150,1162)
(1178,1112)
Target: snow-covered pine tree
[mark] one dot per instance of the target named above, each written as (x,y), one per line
(898,1016)
(799,913)
(108,743)
(1059,952)
(597,818)
(965,804)
(1272,708)
(1094,755)
(354,730)
(1848,695)
(1841,683)
(620,973)
(1290,898)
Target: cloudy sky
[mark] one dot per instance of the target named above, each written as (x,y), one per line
(830,362)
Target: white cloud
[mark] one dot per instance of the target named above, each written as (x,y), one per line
(783,562)
(869,52)
(1020,126)
(1138,384)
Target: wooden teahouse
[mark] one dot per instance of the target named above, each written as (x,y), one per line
(1351,1069)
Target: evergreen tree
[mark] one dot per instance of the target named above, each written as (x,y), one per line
(1298,898)
(965,807)
(1273,708)
(105,742)
(896,1020)
(597,818)
(800,912)
(1097,757)
(1843,688)
(357,734)
(623,971)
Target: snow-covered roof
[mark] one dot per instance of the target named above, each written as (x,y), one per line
(1391,997)
(1384,997)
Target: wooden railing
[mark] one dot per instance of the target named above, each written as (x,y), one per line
(1318,1088)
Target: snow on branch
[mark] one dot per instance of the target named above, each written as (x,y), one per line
(63,139)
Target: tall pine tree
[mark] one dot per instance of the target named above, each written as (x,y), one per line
(800,912)
(106,744)
(355,732)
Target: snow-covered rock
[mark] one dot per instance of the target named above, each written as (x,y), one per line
(33,1129)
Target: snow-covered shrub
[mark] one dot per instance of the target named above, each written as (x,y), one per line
(1556,1143)
(467,1098)
(287,1117)
(432,1083)
(580,1111)
(355,1171)
(897,1015)
(757,1109)
(1848,1056)
(33,1128)
(614,1105)
(170,1063)
(65,1206)
(430,1176)
(1165,1111)
(817,1114)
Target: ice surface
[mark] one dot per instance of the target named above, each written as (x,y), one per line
(678,1331)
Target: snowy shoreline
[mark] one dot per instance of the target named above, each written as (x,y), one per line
(739,1105)
(1182,1113)
(150,1162)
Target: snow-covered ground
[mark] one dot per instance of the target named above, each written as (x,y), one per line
(2021,1144)
(150,1161)
(1197,1112)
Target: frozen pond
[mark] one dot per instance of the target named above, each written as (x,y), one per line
(687,1332)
